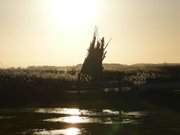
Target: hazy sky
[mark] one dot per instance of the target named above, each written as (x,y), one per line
(58,32)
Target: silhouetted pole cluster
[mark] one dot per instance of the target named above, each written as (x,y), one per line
(92,67)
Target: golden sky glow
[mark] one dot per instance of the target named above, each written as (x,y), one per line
(58,32)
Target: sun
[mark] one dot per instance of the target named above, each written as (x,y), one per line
(72,14)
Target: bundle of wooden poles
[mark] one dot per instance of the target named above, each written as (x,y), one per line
(92,67)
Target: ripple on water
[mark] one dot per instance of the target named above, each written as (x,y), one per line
(67,131)
(6,117)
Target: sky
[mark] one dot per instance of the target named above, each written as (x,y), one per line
(58,32)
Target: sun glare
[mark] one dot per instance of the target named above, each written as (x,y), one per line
(72,131)
(73,119)
(72,14)
(68,131)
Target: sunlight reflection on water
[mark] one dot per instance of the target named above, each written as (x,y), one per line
(68,131)
(76,111)
(90,120)
(80,116)
(79,120)
(57,121)
(69,111)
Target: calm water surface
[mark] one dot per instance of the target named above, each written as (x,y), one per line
(76,121)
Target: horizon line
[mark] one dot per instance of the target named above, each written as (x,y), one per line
(24,67)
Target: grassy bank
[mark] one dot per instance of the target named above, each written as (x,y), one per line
(48,85)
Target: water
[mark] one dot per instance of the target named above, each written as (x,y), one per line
(77,121)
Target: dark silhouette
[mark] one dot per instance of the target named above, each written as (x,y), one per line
(92,67)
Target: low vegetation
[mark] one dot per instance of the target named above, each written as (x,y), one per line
(45,84)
